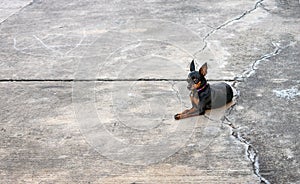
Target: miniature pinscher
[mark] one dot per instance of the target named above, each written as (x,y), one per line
(203,95)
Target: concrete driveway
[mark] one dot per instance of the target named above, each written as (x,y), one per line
(89,89)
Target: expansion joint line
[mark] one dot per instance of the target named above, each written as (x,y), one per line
(107,80)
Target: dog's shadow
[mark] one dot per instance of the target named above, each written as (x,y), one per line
(219,113)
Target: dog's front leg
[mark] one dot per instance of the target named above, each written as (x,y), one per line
(186,113)
(194,111)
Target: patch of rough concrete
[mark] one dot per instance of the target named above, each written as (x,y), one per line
(288,94)
(269,41)
(268,119)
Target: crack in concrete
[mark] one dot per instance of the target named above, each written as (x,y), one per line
(227,23)
(176,91)
(52,48)
(79,43)
(46,46)
(21,9)
(252,152)
(253,68)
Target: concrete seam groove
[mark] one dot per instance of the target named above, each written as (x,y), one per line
(252,152)
(228,22)
(29,4)
(107,80)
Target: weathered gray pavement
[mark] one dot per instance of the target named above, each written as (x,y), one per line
(268,115)
(89,89)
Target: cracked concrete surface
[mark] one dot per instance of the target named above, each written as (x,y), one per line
(10,8)
(275,131)
(89,90)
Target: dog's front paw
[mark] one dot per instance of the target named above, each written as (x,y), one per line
(177,116)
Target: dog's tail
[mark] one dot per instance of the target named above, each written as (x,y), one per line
(229,93)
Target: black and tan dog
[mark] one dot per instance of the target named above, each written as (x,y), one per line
(203,95)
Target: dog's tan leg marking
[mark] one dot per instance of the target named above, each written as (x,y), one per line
(186,113)
(191,114)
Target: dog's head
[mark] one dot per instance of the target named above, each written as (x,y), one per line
(196,79)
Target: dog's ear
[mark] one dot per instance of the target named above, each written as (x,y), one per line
(203,69)
(192,66)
